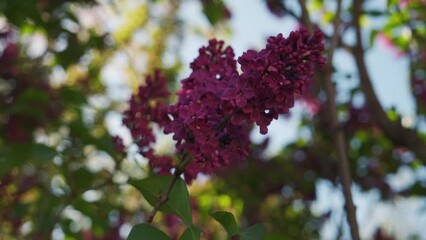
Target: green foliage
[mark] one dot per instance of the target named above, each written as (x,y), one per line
(16,155)
(191,233)
(215,11)
(227,220)
(146,232)
(154,187)
(18,12)
(255,232)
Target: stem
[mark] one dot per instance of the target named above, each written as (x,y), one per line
(165,197)
(339,136)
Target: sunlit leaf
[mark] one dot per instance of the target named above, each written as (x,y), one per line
(227,220)
(328,16)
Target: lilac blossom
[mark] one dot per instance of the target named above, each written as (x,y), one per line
(217,106)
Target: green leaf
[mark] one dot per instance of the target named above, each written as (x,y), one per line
(82,179)
(13,156)
(87,208)
(316,5)
(191,233)
(255,232)
(375,13)
(72,96)
(16,155)
(146,232)
(391,3)
(152,188)
(19,12)
(30,103)
(328,16)
(373,35)
(227,220)
(215,11)
(42,153)
(392,114)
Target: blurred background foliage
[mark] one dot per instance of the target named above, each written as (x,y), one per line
(62,176)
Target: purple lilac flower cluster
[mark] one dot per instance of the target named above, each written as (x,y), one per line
(201,124)
(277,75)
(148,107)
(217,106)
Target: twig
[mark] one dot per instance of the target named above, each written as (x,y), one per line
(165,197)
(339,137)
(305,17)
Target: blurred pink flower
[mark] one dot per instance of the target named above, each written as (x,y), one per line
(387,43)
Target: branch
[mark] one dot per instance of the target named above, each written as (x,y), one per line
(339,137)
(392,129)
(306,20)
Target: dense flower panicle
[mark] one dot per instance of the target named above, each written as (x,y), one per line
(211,71)
(217,106)
(149,107)
(279,73)
(201,116)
